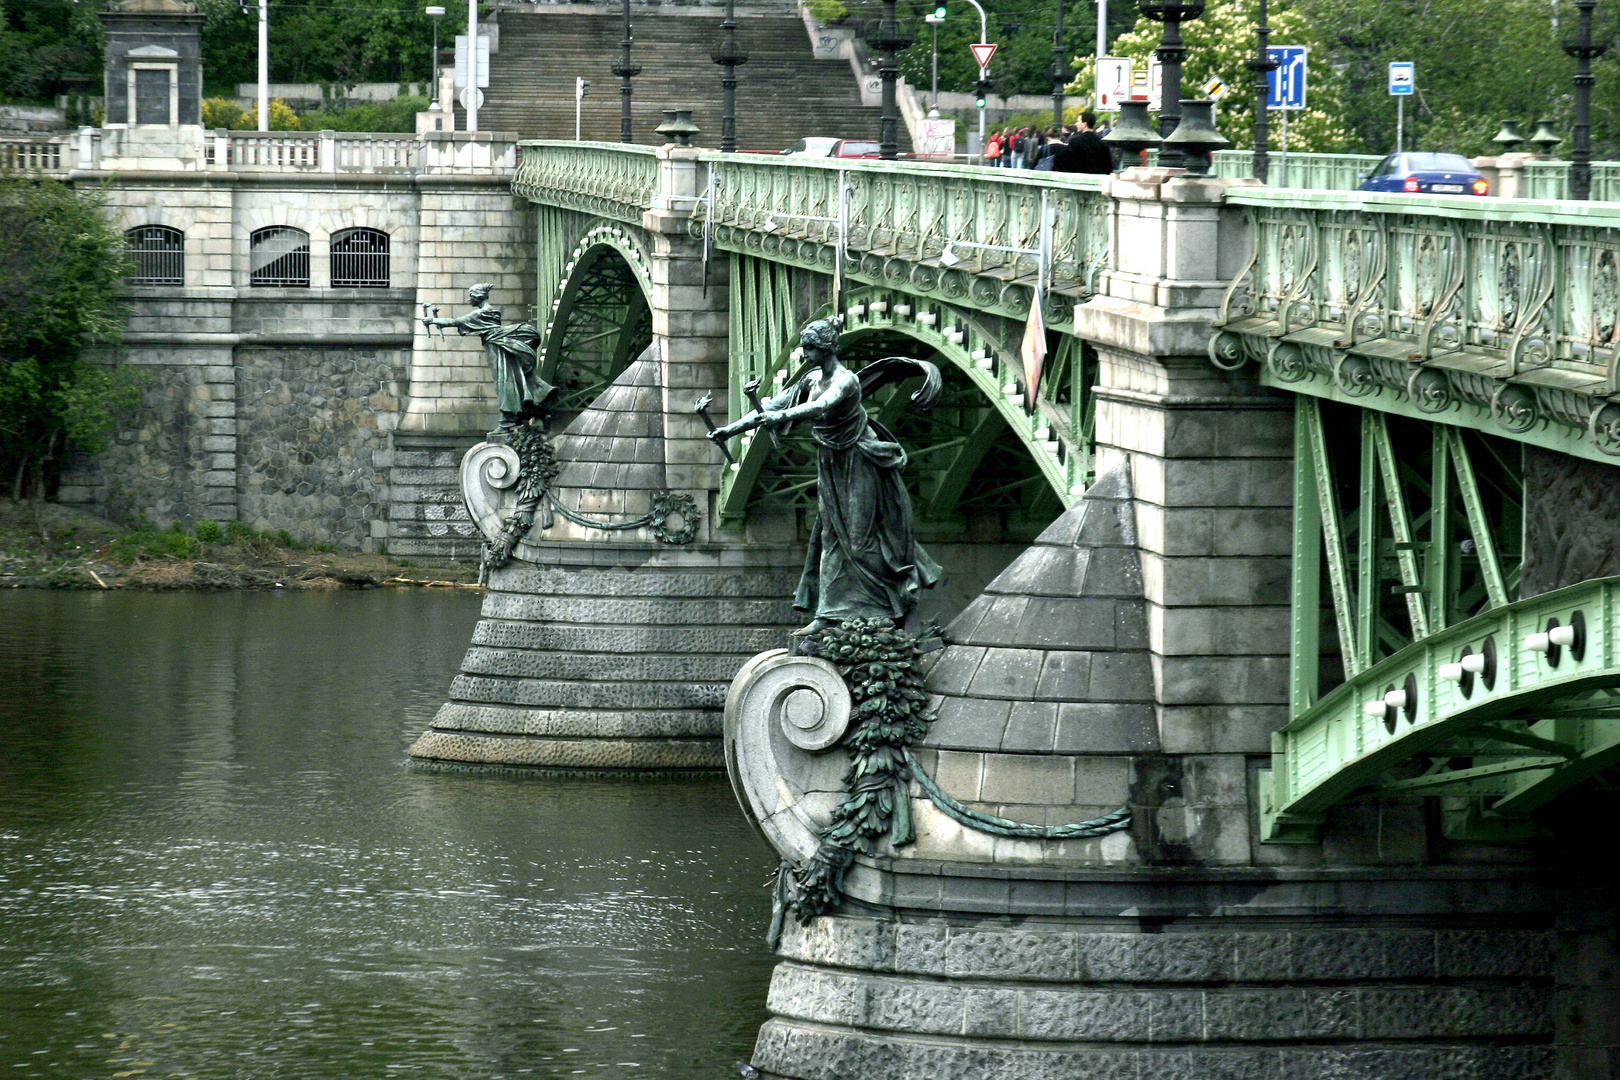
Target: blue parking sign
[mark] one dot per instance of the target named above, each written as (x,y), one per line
(1287,81)
(1402,78)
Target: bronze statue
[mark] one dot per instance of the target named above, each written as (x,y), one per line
(864,561)
(511,351)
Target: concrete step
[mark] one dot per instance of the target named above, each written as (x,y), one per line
(783,92)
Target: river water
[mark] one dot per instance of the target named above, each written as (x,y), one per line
(215,863)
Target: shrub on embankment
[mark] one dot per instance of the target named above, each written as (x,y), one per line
(61,262)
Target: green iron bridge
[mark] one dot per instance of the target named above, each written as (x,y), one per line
(1444,357)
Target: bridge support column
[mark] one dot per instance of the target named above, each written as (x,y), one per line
(1210,454)
(609,651)
(689,322)
(472,229)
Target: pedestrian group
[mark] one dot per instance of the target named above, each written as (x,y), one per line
(1076,148)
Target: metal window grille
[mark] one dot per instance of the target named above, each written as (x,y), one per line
(360,259)
(279,255)
(159,253)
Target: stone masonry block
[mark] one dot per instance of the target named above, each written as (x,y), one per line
(1047,956)
(969,724)
(1007,673)
(1028,778)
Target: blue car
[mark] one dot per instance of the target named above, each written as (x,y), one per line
(1426,174)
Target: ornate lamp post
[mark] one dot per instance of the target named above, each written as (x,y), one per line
(1172,13)
(728,58)
(889,42)
(1262,65)
(1584,51)
(1060,75)
(626,70)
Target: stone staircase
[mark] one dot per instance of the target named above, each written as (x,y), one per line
(783,93)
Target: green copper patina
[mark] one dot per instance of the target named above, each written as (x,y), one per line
(510,350)
(863,561)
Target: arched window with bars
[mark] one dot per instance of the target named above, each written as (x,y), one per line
(360,259)
(159,254)
(279,255)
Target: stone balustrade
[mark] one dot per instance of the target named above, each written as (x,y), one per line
(188,149)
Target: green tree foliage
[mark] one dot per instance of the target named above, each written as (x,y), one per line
(396,115)
(1219,44)
(61,261)
(332,42)
(44,42)
(1476,64)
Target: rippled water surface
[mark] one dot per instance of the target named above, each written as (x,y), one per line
(214,862)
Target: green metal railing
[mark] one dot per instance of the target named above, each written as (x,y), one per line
(1550,180)
(1504,315)
(1499,714)
(953,231)
(613,180)
(1326,172)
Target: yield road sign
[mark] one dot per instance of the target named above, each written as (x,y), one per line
(1402,78)
(982,52)
(1286,83)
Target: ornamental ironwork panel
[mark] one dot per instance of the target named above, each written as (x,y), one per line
(612,180)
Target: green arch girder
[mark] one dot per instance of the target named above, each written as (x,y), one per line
(1548,721)
(583,288)
(990,364)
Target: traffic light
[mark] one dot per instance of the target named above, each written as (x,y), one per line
(582,87)
(981,89)
(939,12)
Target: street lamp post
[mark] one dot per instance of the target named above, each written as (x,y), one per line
(472,65)
(1059,75)
(934,21)
(264,65)
(889,42)
(626,70)
(1261,65)
(1172,13)
(728,58)
(435,12)
(1584,51)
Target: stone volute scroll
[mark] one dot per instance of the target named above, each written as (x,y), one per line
(519,480)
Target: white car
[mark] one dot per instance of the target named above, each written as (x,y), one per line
(816,147)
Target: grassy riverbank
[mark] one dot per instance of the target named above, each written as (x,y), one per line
(47,546)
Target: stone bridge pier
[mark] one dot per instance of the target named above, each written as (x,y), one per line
(1137,657)
(605,648)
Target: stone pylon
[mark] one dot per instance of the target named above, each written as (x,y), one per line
(610,649)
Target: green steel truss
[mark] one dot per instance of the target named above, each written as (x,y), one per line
(982,448)
(1404,527)
(1498,714)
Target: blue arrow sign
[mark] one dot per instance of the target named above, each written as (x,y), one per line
(1287,82)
